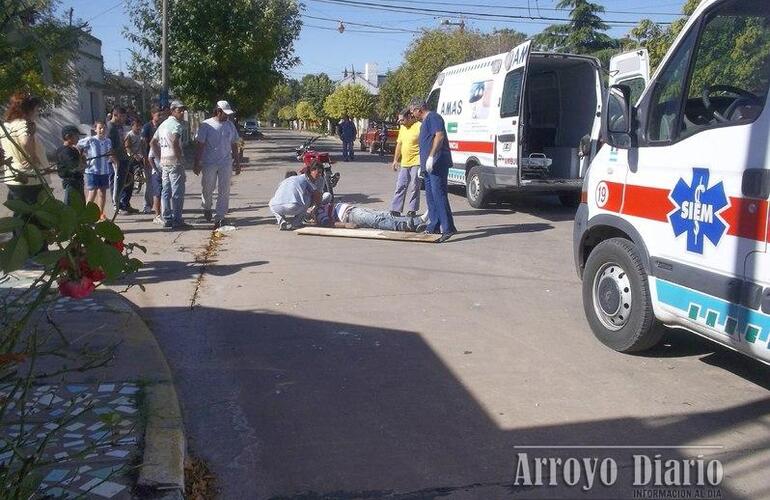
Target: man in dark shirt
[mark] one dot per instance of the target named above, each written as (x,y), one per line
(124,183)
(435,159)
(347,132)
(68,163)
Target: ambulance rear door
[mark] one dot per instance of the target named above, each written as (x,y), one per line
(509,123)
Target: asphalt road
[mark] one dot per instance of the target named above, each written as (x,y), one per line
(313,367)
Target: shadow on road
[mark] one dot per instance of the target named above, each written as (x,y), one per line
(283,406)
(487,231)
(162,271)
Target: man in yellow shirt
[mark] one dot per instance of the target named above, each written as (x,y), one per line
(408,153)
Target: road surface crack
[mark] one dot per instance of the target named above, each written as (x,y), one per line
(205,258)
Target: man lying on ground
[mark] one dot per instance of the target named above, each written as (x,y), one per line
(353,217)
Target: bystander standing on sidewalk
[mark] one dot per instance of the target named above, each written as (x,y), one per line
(69,163)
(168,147)
(148,131)
(408,154)
(97,150)
(123,184)
(216,156)
(136,150)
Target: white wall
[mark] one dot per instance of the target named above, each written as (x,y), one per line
(83,102)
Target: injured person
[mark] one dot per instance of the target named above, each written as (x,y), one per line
(352,217)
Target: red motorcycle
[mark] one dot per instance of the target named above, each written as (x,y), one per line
(307,155)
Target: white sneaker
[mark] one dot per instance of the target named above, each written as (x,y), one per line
(158,220)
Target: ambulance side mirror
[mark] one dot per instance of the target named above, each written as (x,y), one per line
(617,119)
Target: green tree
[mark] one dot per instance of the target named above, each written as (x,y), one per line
(304,111)
(36,49)
(433,51)
(584,34)
(349,100)
(284,94)
(235,50)
(287,113)
(315,89)
(657,39)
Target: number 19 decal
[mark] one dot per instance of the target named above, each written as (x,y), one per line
(602,194)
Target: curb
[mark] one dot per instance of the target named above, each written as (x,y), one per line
(162,469)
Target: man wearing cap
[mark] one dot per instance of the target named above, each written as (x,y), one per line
(167,145)
(68,163)
(216,157)
(123,182)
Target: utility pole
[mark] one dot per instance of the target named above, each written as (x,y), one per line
(70,12)
(164,58)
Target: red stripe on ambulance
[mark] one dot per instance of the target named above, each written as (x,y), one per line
(472,146)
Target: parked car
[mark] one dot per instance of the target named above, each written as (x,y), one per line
(370,138)
(251,129)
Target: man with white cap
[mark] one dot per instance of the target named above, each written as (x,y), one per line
(216,157)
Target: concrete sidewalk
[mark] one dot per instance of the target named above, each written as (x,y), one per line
(113,431)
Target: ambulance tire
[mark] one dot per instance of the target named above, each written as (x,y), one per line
(475,192)
(614,270)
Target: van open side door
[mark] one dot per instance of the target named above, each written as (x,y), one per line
(508,129)
(631,69)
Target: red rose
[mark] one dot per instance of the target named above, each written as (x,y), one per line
(76,289)
(118,245)
(63,264)
(94,273)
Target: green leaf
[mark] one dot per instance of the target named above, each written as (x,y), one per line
(76,201)
(49,257)
(109,231)
(105,256)
(34,238)
(8,224)
(43,197)
(15,252)
(137,245)
(67,224)
(90,214)
(19,206)
(45,218)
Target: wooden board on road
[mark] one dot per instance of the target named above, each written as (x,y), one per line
(373,234)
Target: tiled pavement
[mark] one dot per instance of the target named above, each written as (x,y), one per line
(93,429)
(93,438)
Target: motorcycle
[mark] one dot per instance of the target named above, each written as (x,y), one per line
(307,155)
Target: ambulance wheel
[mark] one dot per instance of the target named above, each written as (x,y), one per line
(475,191)
(616,297)
(570,200)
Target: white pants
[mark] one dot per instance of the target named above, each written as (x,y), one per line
(216,177)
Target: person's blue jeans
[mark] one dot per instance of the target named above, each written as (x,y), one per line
(379,219)
(437,198)
(347,150)
(122,189)
(172,193)
(70,184)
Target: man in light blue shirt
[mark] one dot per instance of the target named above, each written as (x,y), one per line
(216,157)
(167,144)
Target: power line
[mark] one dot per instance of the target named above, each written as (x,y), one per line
(528,9)
(382,30)
(306,25)
(106,11)
(484,16)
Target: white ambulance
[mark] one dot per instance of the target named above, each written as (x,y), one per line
(520,120)
(673,224)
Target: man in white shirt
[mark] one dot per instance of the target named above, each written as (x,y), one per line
(216,157)
(167,144)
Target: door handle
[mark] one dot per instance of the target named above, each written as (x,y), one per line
(756,183)
(506,137)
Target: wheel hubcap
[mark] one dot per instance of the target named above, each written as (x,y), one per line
(473,187)
(612,296)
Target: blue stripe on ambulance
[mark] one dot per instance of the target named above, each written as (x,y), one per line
(724,317)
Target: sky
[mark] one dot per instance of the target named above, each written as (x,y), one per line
(321,48)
